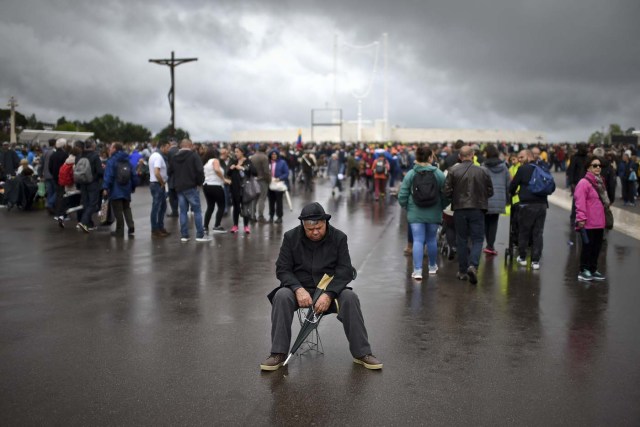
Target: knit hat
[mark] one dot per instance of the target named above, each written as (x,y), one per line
(314,211)
(61,142)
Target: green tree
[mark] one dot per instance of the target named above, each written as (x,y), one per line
(596,138)
(615,129)
(630,131)
(66,127)
(131,132)
(165,133)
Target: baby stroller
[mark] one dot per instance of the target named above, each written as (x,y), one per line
(513,234)
(20,191)
(447,237)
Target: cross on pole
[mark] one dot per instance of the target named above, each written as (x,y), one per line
(172,63)
(13,104)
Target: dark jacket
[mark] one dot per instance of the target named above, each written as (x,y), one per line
(56,161)
(450,160)
(577,168)
(303,262)
(118,191)
(522,178)
(187,170)
(468,186)
(238,177)
(9,161)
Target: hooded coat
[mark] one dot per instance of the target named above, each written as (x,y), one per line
(500,178)
(282,169)
(187,170)
(109,183)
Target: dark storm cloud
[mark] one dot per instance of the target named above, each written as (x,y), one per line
(566,68)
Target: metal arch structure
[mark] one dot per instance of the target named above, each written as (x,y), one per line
(335,122)
(172,63)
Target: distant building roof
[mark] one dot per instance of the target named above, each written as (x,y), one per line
(42,136)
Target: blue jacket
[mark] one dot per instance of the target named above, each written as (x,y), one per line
(134,158)
(282,169)
(118,191)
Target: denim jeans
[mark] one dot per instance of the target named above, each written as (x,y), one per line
(50,188)
(158,206)
(469,224)
(90,202)
(424,233)
(186,198)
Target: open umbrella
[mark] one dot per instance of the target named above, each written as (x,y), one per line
(311,319)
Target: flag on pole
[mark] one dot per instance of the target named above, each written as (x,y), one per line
(299,143)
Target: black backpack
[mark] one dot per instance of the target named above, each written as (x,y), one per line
(425,189)
(123,172)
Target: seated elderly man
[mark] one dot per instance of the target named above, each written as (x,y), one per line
(309,251)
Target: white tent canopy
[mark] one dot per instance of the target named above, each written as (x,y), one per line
(43,136)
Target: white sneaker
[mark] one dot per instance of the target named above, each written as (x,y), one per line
(204,239)
(535,265)
(522,261)
(433,269)
(184,239)
(417,274)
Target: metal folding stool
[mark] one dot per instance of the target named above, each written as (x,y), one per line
(313,341)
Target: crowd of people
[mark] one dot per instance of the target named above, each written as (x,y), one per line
(453,192)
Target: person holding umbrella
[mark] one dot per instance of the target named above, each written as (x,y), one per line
(310,251)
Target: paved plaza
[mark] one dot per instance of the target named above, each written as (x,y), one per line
(102,331)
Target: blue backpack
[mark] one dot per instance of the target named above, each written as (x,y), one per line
(541,182)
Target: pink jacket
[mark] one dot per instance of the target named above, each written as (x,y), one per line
(589,208)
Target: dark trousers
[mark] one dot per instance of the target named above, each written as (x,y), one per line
(214,194)
(628,191)
(591,250)
(284,305)
(491,228)
(530,228)
(308,181)
(122,212)
(275,203)
(61,204)
(173,201)
(236,200)
(90,202)
(469,224)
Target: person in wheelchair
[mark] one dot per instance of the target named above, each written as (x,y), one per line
(309,251)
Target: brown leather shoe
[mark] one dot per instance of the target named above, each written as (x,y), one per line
(273,362)
(156,233)
(369,361)
(164,233)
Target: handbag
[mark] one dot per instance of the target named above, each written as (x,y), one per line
(278,186)
(633,177)
(250,190)
(608,215)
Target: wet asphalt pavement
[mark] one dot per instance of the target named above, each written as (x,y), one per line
(101,331)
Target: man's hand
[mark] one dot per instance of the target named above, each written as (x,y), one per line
(303,297)
(323,304)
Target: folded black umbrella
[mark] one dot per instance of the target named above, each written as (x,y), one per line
(311,319)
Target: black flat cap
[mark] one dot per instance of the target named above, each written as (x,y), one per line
(314,211)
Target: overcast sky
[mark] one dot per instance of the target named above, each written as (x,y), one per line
(564,67)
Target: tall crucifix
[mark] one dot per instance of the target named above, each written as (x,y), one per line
(172,63)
